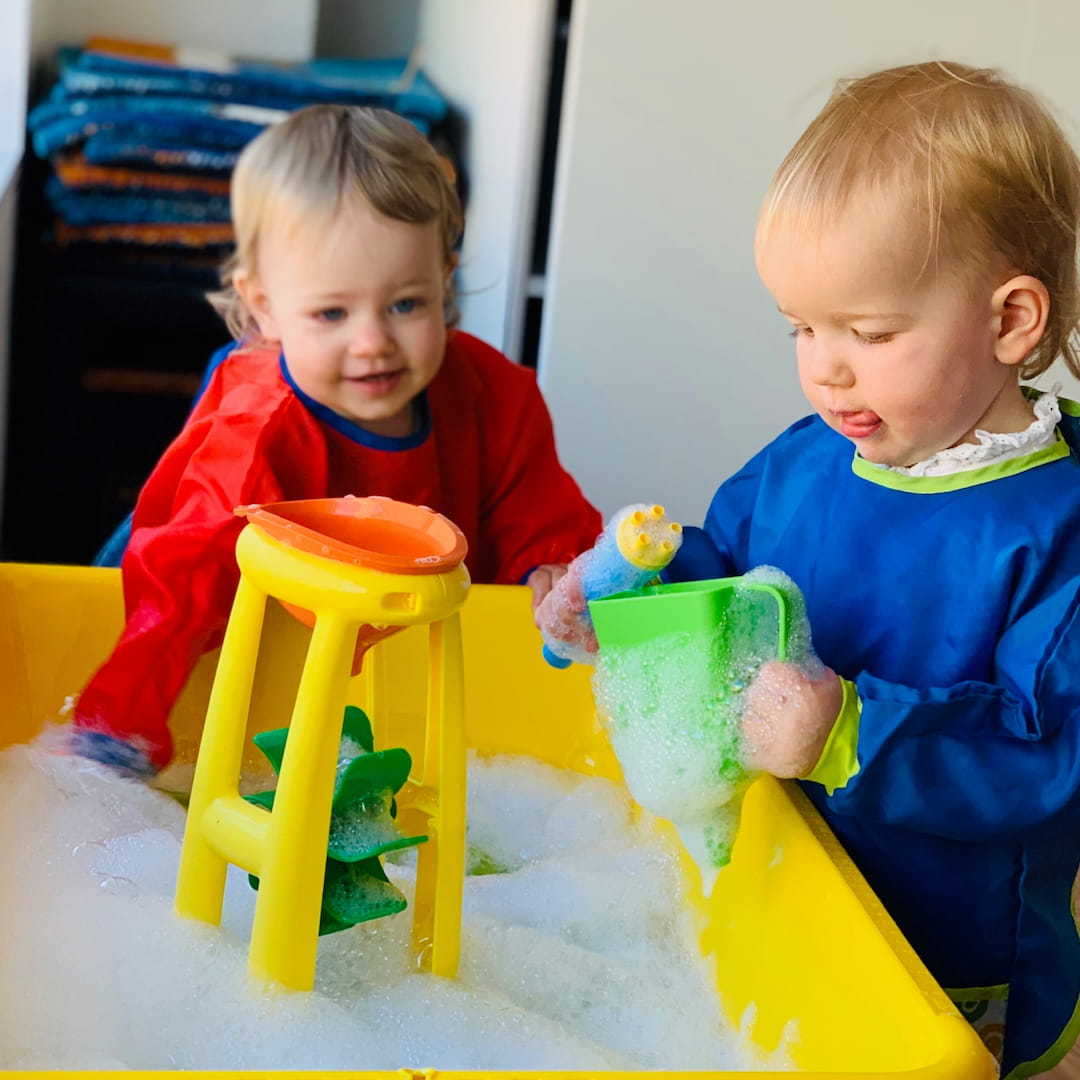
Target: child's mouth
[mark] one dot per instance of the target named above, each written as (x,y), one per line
(859,425)
(379,384)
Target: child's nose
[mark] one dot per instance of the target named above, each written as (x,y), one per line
(370,337)
(827,364)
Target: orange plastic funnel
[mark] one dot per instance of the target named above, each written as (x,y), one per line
(377,532)
(374,532)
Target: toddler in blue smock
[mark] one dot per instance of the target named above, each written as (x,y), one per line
(920,239)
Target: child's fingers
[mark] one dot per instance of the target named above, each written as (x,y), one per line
(557,620)
(572,588)
(788,716)
(542,580)
(540,583)
(552,610)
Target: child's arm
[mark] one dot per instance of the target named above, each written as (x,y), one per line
(971,761)
(180,576)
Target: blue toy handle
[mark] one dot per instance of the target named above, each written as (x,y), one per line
(556,661)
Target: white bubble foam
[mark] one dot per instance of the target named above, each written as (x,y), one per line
(578,955)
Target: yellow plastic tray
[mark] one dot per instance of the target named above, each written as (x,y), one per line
(797,933)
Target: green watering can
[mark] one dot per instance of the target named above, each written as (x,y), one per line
(672,665)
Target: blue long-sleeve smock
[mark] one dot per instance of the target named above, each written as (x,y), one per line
(952,605)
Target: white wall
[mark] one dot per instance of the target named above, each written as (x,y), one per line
(14,68)
(274,29)
(663,358)
(490,57)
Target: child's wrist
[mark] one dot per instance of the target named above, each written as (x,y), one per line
(839,761)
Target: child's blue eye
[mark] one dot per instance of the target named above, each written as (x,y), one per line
(333,314)
(405,306)
(801,331)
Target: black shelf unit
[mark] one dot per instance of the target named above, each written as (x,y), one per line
(106,353)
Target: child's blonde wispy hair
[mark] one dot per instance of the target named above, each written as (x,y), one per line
(981,162)
(308,168)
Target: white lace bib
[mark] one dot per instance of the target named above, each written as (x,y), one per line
(991,448)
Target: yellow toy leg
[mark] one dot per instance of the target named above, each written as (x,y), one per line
(285,932)
(200,885)
(441,867)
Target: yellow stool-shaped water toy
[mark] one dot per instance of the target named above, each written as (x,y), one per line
(356,570)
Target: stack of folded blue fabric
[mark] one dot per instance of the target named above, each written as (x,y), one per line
(141,139)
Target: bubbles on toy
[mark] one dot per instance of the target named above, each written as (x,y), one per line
(636,544)
(362,826)
(798,646)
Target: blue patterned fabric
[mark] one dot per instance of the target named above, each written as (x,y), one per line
(135,113)
(89,207)
(384,83)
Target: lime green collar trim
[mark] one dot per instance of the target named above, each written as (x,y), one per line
(932,485)
(979,993)
(1067,406)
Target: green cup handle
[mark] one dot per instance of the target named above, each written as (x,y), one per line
(784,607)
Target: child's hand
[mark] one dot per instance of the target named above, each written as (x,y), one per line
(543,579)
(120,756)
(559,613)
(787,718)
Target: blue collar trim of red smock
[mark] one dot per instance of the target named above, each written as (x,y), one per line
(354,431)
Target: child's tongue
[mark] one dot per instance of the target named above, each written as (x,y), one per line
(857,425)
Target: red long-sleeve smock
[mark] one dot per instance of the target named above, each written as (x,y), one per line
(484,456)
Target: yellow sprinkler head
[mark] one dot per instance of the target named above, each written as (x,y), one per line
(646,539)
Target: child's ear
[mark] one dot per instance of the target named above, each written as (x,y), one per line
(258,303)
(1021,307)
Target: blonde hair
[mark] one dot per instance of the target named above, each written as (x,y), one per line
(317,160)
(982,163)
